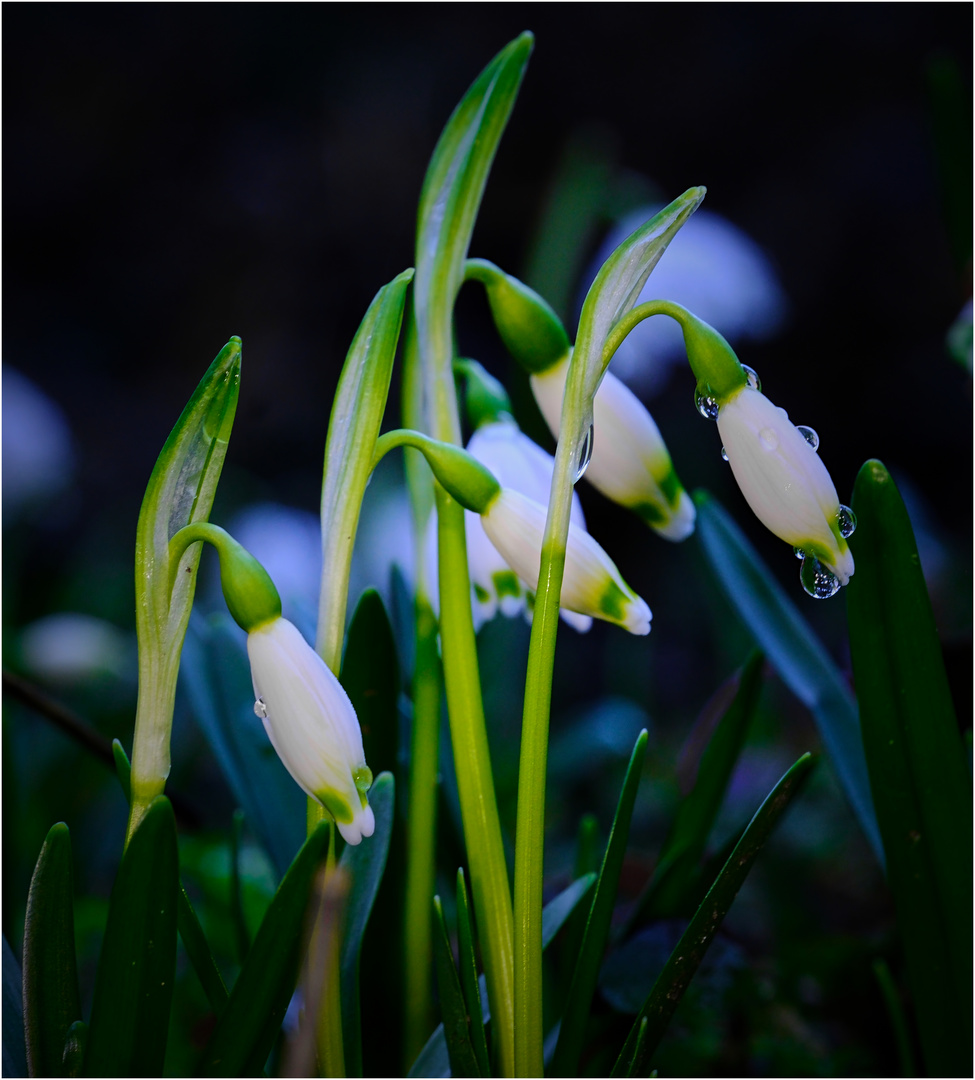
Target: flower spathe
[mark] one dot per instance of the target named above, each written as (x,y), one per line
(591,584)
(311,724)
(783,479)
(630,463)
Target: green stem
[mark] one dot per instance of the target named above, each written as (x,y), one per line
(331,1051)
(421,842)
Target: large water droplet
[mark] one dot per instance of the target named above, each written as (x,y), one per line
(798,552)
(724,454)
(706,406)
(754,382)
(769,438)
(819,581)
(585,456)
(260,709)
(809,434)
(846,520)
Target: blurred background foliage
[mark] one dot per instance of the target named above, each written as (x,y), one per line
(176,174)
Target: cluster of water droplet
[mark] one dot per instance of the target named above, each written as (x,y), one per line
(816,578)
(708,406)
(585,456)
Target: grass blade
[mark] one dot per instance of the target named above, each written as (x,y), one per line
(134,985)
(468,976)
(456,1022)
(14,1050)
(573,1030)
(246,1031)
(686,957)
(794,650)
(51,1003)
(364,864)
(920,779)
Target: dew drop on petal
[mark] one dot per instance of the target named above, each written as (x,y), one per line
(798,552)
(846,520)
(754,382)
(769,438)
(809,434)
(724,454)
(585,456)
(818,581)
(260,709)
(706,406)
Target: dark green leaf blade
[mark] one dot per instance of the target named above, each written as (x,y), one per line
(136,970)
(686,957)
(246,1031)
(51,1003)
(456,1022)
(920,780)
(794,650)
(370,676)
(468,975)
(14,1049)
(572,1033)
(365,864)
(432,1059)
(75,1044)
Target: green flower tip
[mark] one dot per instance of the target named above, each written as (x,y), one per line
(247,588)
(486,398)
(529,328)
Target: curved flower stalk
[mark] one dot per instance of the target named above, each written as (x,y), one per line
(307,715)
(628,459)
(515,525)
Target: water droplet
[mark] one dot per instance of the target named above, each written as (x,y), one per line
(706,406)
(724,454)
(754,382)
(769,438)
(260,709)
(585,456)
(809,434)
(819,581)
(846,520)
(798,552)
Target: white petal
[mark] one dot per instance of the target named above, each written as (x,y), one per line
(782,478)
(310,721)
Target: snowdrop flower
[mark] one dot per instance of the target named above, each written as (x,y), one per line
(311,724)
(630,463)
(788,487)
(307,715)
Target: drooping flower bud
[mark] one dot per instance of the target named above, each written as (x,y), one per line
(788,487)
(630,463)
(307,715)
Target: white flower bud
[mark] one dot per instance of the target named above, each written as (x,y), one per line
(311,724)
(630,463)
(783,479)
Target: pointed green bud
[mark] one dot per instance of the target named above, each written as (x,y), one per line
(249,591)
(460,473)
(529,328)
(486,398)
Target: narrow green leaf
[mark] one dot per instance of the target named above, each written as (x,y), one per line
(241,938)
(453,1008)
(51,1003)
(353,427)
(626,1063)
(468,975)
(14,1048)
(134,985)
(898,1018)
(75,1044)
(216,674)
(370,676)
(433,1060)
(365,864)
(187,923)
(685,843)
(245,1033)
(920,779)
(180,490)
(686,957)
(572,1032)
(794,650)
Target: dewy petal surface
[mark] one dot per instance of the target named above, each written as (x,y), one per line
(591,585)
(783,479)
(311,723)
(630,462)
